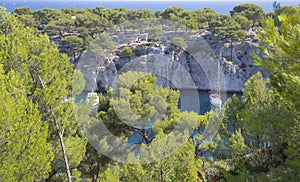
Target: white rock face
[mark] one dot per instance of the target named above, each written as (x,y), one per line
(106,76)
(177,68)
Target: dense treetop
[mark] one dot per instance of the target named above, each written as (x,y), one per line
(97,19)
(40,138)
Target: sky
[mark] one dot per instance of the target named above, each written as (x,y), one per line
(242,1)
(168,0)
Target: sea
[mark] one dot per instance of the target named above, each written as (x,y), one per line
(220,6)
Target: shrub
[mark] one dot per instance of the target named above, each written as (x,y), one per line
(137,52)
(126,52)
(179,41)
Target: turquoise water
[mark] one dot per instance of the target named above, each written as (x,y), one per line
(198,100)
(220,7)
(190,100)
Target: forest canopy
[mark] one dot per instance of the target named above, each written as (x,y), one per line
(41,139)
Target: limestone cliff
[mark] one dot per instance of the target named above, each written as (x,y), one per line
(178,67)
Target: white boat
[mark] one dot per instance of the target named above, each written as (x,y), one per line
(215,100)
(93,97)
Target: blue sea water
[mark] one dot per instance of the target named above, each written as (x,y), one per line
(198,101)
(222,7)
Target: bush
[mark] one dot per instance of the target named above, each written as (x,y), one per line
(243,21)
(126,52)
(179,41)
(137,52)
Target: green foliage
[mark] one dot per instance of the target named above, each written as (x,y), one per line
(111,174)
(137,52)
(46,15)
(282,63)
(243,21)
(268,116)
(47,77)
(22,11)
(190,19)
(143,14)
(127,52)
(28,20)
(98,19)
(85,34)
(172,13)
(71,45)
(281,57)
(136,101)
(241,175)
(104,41)
(179,166)
(90,21)
(78,83)
(259,135)
(147,101)
(253,12)
(179,42)
(225,27)
(260,127)
(25,154)
(237,144)
(155,33)
(63,24)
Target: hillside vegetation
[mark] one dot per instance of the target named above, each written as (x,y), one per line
(41,139)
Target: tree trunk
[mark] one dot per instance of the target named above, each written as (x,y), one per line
(63,149)
(161,173)
(258,141)
(74,56)
(143,133)
(231,45)
(60,136)
(98,170)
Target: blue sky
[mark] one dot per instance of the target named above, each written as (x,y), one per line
(170,0)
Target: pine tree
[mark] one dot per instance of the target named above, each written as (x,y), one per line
(166,153)
(268,113)
(25,154)
(282,63)
(48,77)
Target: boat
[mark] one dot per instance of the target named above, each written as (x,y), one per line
(215,100)
(93,97)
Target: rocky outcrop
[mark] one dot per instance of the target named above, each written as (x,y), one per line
(106,76)
(179,68)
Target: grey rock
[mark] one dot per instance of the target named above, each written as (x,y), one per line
(181,69)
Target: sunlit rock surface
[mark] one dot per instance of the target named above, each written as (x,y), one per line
(178,67)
